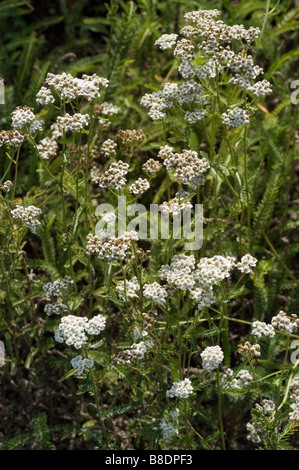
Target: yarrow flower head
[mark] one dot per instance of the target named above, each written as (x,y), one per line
(260,328)
(286,323)
(72,330)
(136,351)
(21,117)
(248,349)
(294,387)
(96,325)
(174,207)
(73,123)
(231,381)
(6,186)
(235,117)
(56,288)
(179,272)
(255,429)
(205,37)
(47,148)
(166,41)
(44,96)
(247,262)
(12,138)
(109,148)
(155,292)
(139,187)
(188,168)
(56,308)
(70,88)
(111,248)
(79,363)
(151,166)
(115,176)
(28,215)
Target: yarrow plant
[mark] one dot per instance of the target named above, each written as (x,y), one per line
(190,343)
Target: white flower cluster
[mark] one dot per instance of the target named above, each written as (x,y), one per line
(151,166)
(79,363)
(142,341)
(253,433)
(213,39)
(12,138)
(96,325)
(231,382)
(128,289)
(179,272)
(189,92)
(113,249)
(199,281)
(44,96)
(73,123)
(72,330)
(212,357)
(247,262)
(6,186)
(184,49)
(166,41)
(70,88)
(260,328)
(55,289)
(36,126)
(285,323)
(108,109)
(203,24)
(189,169)
(28,215)
(159,101)
(192,117)
(235,117)
(139,187)
(249,349)
(115,176)
(266,407)
(136,351)
(155,292)
(47,148)
(180,389)
(168,425)
(56,308)
(207,70)
(109,148)
(21,117)
(255,429)
(186,69)
(243,64)
(204,297)
(168,430)
(261,88)
(57,130)
(214,270)
(294,387)
(174,207)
